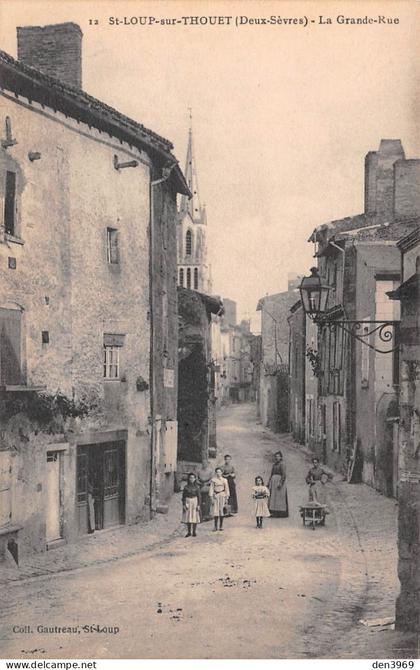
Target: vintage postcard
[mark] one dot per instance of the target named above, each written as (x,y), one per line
(209,330)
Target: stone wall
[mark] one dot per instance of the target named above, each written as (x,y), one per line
(407,188)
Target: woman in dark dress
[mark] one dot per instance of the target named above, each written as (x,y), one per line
(205,475)
(279,506)
(230,474)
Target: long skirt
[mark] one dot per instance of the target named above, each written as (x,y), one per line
(261,507)
(279,505)
(219,501)
(191,514)
(318,493)
(205,505)
(233,497)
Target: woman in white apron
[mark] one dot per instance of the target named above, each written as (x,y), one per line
(219,495)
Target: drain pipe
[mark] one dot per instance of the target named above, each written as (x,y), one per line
(166,173)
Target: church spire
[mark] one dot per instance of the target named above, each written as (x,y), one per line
(192,207)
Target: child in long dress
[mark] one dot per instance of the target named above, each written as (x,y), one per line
(261,494)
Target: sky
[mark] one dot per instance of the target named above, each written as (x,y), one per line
(283,115)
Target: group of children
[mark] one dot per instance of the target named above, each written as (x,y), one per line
(222,494)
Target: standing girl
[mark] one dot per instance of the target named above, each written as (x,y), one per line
(219,495)
(261,494)
(191,501)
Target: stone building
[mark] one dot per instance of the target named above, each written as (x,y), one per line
(274,378)
(88,304)
(359,259)
(196,384)
(408,603)
(236,367)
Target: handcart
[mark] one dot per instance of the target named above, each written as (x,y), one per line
(313,514)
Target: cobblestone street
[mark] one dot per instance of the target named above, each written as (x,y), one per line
(284,591)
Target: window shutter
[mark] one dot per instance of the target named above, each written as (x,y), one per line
(9,203)
(114,247)
(10,346)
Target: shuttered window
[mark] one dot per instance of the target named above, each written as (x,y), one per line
(10,203)
(10,347)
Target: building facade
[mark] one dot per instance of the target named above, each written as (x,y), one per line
(274,371)
(88,217)
(408,603)
(359,260)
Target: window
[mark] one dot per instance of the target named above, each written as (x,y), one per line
(196,278)
(10,347)
(112,348)
(188,277)
(112,249)
(111,362)
(10,204)
(337,427)
(188,243)
(181,277)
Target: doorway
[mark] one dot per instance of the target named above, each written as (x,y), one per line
(101,473)
(54,526)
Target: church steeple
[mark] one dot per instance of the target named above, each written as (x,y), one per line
(193,270)
(192,207)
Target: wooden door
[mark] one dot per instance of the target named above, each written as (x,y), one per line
(114,484)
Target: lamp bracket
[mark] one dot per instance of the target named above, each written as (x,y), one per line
(387,331)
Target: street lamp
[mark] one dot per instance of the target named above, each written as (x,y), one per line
(314,296)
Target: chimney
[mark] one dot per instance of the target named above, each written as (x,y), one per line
(379,178)
(389,152)
(407,188)
(55,50)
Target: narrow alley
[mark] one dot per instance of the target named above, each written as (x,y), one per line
(280,592)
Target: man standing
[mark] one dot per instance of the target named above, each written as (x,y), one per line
(230,474)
